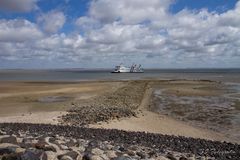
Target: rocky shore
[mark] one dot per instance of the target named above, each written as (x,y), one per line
(121,103)
(43,141)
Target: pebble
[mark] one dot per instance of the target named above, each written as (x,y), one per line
(106,144)
(97,151)
(65,157)
(111,154)
(9,139)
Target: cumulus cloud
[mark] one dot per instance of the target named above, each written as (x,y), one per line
(18,5)
(128,11)
(52,21)
(131,31)
(18,30)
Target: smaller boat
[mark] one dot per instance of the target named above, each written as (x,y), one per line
(133,69)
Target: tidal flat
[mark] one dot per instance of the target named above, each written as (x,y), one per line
(197,109)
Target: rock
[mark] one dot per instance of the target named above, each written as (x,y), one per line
(34,154)
(20,150)
(133,148)
(171,156)
(7,148)
(5,151)
(1,133)
(72,154)
(5,145)
(161,158)
(63,147)
(97,151)
(96,157)
(131,153)
(51,155)
(12,156)
(71,143)
(45,147)
(121,149)
(80,157)
(9,139)
(26,140)
(81,148)
(87,156)
(183,158)
(123,158)
(65,157)
(141,154)
(152,153)
(109,146)
(111,154)
(19,140)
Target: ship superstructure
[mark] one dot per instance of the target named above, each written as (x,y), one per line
(133,69)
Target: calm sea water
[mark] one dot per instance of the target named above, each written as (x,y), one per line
(225,75)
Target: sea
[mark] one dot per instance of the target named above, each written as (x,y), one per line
(224,75)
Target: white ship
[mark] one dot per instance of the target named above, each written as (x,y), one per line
(133,69)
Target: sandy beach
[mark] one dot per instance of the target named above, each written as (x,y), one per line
(142,119)
(40,102)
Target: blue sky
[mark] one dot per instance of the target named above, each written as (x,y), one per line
(101,33)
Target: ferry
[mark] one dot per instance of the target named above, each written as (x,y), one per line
(133,69)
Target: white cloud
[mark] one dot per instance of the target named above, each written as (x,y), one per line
(18,30)
(18,5)
(129,30)
(52,21)
(128,11)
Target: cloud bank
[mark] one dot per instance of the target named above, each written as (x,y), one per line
(18,5)
(126,31)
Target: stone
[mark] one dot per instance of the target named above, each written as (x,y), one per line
(97,151)
(131,153)
(5,145)
(9,139)
(123,158)
(109,146)
(45,147)
(161,158)
(65,157)
(80,157)
(81,148)
(72,154)
(63,147)
(19,140)
(104,157)
(5,151)
(34,154)
(96,157)
(111,154)
(121,149)
(133,148)
(141,154)
(171,156)
(183,158)
(12,156)
(20,150)
(87,156)
(7,148)
(51,155)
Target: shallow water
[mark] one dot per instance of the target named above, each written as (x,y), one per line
(51,99)
(225,75)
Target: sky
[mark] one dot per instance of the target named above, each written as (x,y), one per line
(104,33)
